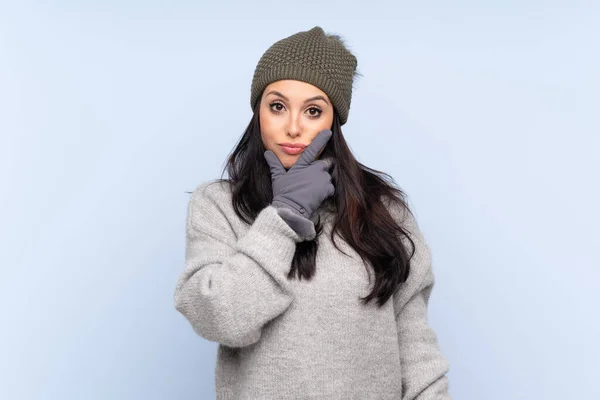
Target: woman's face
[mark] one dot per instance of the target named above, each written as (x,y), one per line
(292,113)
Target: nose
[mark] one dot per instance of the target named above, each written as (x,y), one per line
(294,127)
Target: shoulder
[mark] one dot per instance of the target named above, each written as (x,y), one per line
(211,193)
(210,205)
(214,190)
(405,218)
(421,272)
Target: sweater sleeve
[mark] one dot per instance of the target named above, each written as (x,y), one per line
(230,288)
(424,367)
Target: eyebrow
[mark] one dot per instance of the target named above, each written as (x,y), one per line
(319,97)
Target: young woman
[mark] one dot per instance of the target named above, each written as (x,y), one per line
(306,266)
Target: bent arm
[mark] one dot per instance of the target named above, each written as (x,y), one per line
(231,287)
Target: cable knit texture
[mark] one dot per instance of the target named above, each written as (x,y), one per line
(289,339)
(313,57)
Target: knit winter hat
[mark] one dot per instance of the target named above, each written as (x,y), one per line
(312,57)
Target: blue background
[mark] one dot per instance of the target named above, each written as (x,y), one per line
(485,113)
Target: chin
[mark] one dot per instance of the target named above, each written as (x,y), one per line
(287,160)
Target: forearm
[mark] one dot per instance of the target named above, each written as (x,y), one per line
(228,293)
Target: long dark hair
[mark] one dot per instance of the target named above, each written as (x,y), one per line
(362,218)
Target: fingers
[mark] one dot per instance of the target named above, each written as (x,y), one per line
(275,165)
(327,163)
(314,148)
(331,190)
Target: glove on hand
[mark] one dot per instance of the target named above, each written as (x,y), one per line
(298,192)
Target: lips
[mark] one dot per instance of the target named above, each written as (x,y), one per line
(292,148)
(299,145)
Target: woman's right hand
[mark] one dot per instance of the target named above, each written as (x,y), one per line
(307,183)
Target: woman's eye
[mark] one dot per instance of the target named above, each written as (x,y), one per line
(278,107)
(314,112)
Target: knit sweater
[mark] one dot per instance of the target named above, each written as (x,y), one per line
(290,339)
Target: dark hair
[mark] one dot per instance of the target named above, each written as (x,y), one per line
(362,218)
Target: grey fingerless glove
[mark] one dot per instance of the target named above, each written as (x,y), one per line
(298,192)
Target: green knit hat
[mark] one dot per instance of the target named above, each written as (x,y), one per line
(313,57)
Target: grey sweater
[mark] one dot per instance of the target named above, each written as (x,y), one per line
(290,339)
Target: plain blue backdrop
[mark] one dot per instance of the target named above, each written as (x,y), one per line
(485,113)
